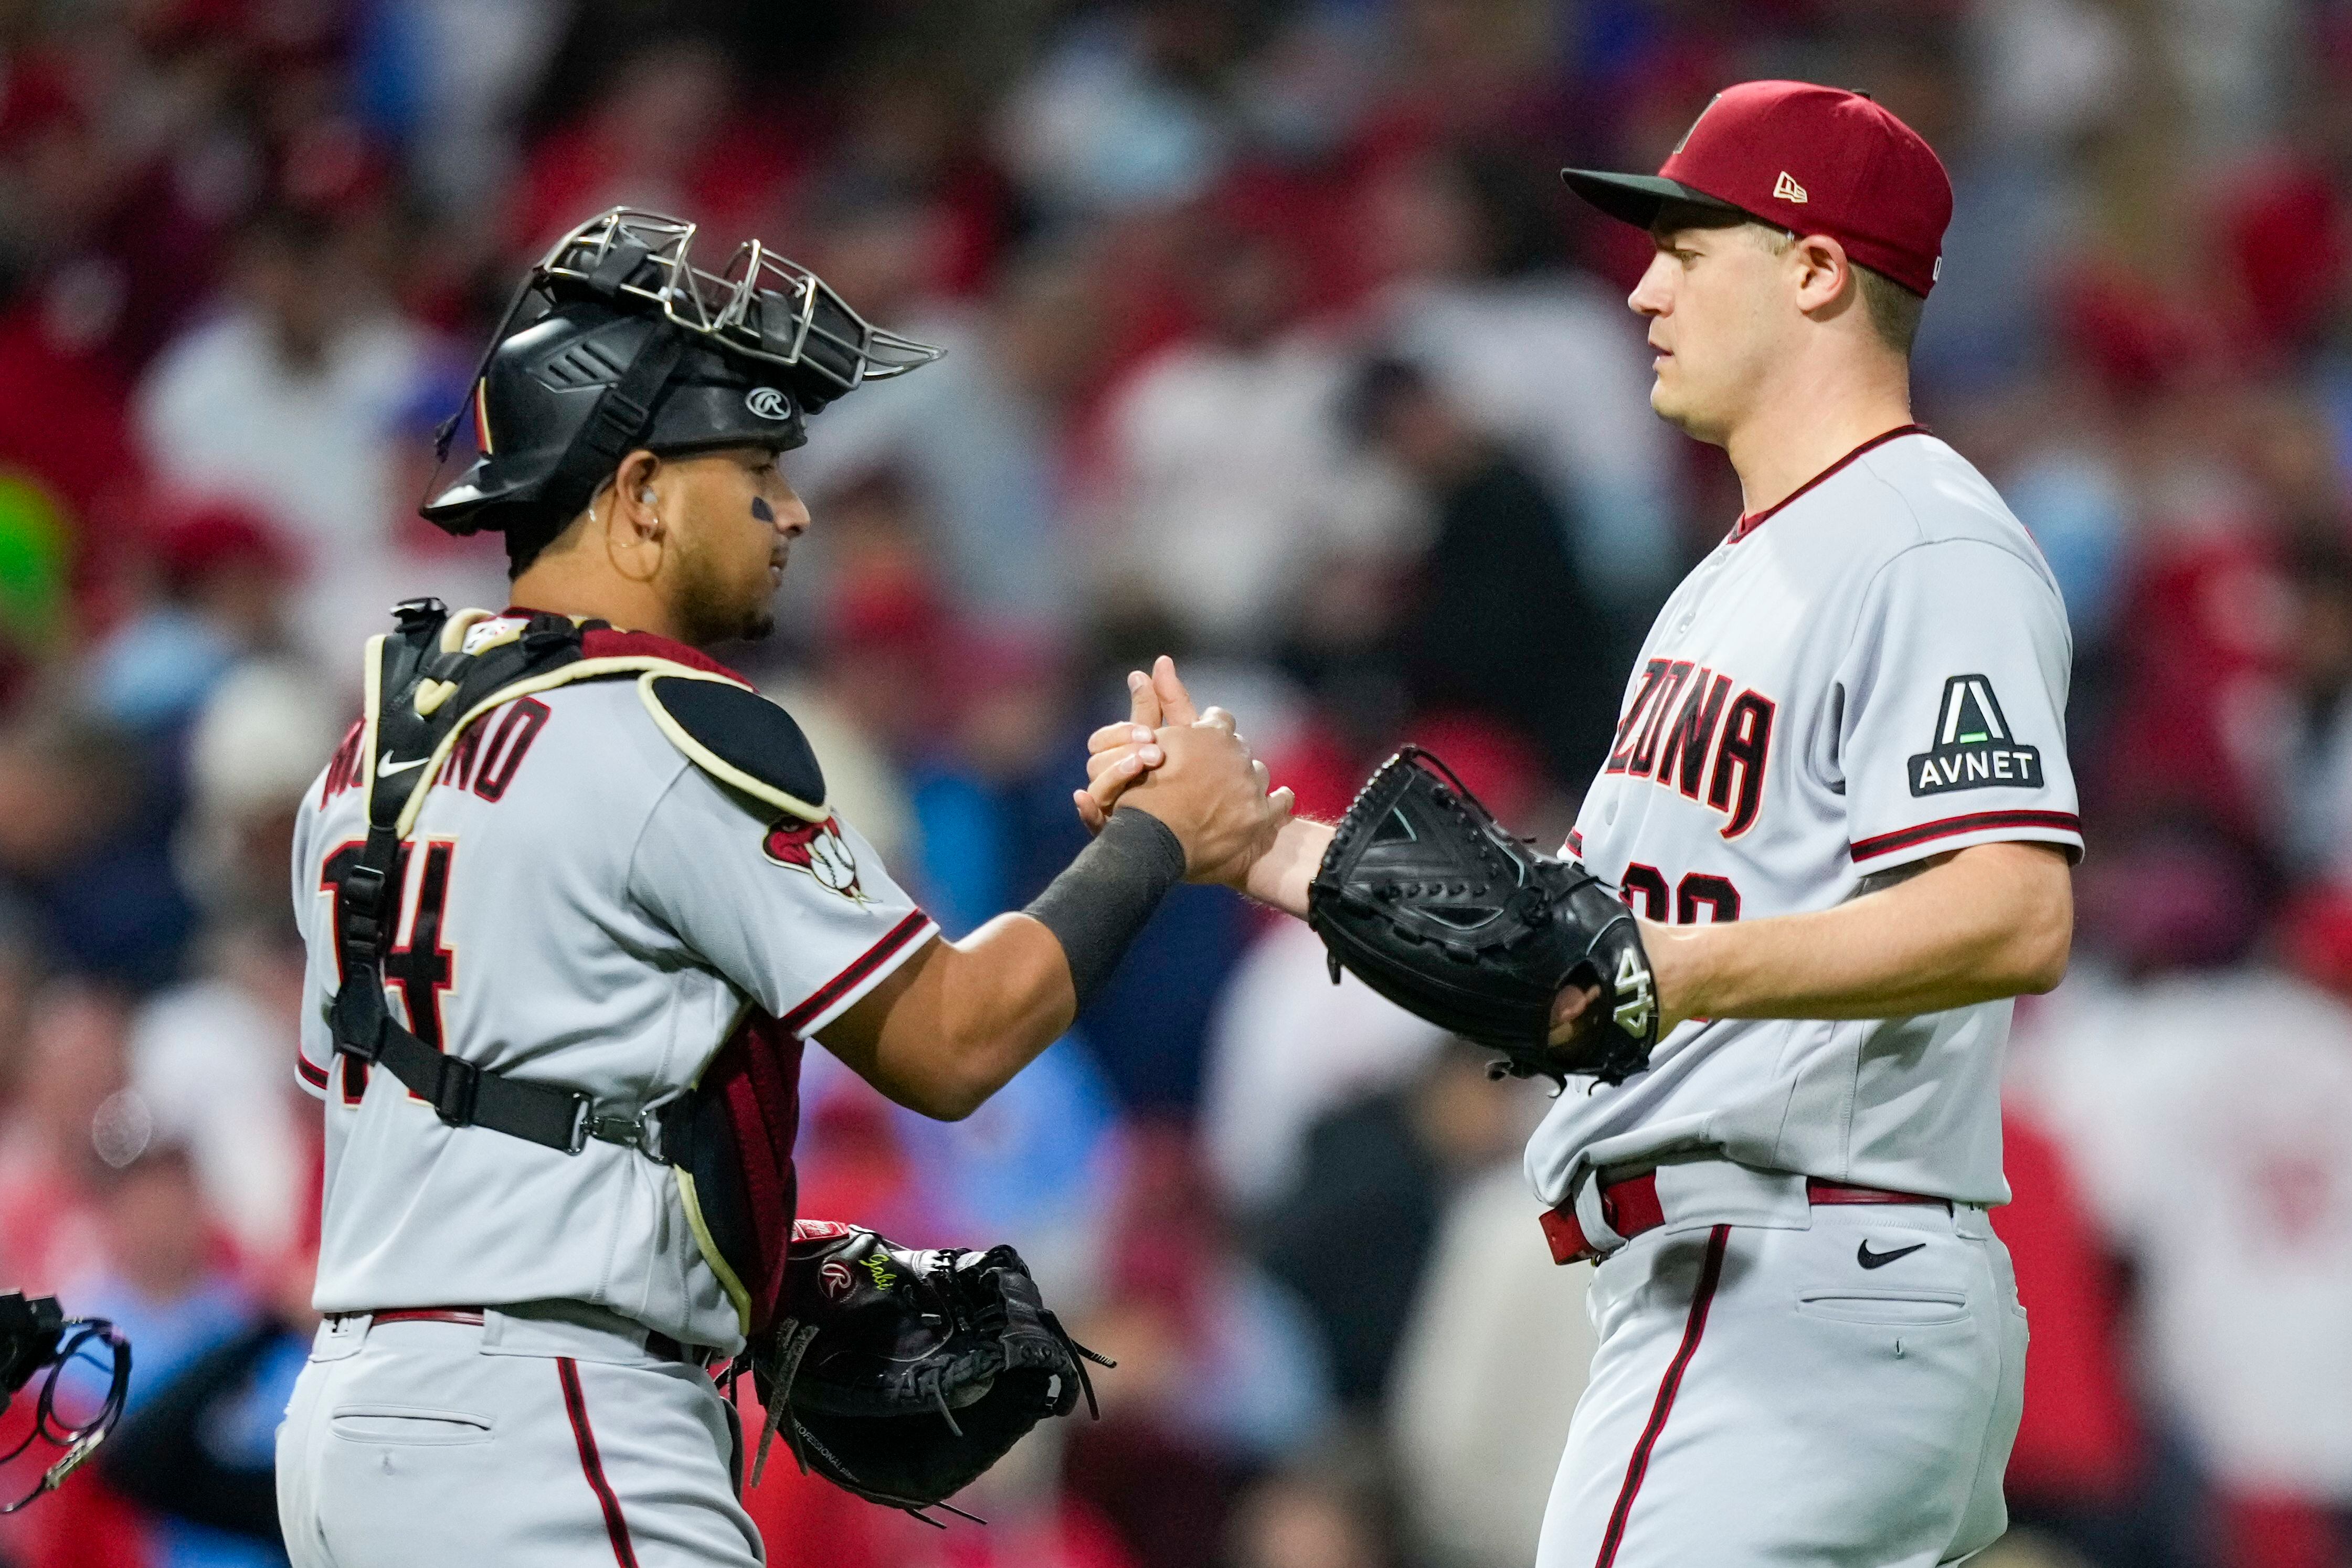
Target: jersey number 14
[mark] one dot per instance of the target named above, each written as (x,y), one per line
(417,970)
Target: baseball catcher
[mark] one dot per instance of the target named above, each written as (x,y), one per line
(576,900)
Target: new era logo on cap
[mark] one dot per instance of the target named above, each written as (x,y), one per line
(1874,186)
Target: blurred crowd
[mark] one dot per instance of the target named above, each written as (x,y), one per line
(1273,343)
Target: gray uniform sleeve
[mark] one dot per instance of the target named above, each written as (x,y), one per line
(801,917)
(1951,712)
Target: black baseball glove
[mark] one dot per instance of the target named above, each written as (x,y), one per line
(901,1376)
(1427,899)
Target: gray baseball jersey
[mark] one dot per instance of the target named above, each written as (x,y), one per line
(1871,673)
(581,905)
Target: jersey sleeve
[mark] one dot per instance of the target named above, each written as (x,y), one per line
(801,917)
(314,1057)
(1951,720)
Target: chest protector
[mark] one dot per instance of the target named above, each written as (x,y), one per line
(728,1137)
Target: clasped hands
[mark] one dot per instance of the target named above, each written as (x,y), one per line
(1191,769)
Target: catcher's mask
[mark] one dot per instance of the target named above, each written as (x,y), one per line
(617,341)
(36,1336)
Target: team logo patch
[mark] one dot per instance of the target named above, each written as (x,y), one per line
(817,848)
(768,403)
(1972,748)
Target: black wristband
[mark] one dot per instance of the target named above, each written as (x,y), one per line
(1096,907)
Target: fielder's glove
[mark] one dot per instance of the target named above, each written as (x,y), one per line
(900,1374)
(1427,899)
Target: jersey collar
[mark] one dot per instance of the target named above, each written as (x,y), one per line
(603,641)
(1750,521)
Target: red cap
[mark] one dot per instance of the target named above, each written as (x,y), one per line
(1812,160)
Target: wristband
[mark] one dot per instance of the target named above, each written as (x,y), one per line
(1103,899)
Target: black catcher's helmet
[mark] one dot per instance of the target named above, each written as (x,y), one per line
(616,340)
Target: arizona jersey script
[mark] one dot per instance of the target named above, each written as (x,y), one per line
(580,905)
(1870,674)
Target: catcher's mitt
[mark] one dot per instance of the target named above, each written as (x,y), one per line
(1430,903)
(901,1374)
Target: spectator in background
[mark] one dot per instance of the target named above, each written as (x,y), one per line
(2209,1102)
(287,402)
(979,449)
(1500,622)
(75,1061)
(1302,1519)
(1355,1233)
(1219,1370)
(2315,780)
(221,573)
(82,847)
(214,1056)
(666,130)
(1546,360)
(1227,471)
(165,1282)
(1287,1048)
(1492,1359)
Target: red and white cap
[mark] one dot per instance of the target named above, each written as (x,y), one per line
(1812,160)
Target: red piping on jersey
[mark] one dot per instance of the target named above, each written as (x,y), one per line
(615,1527)
(866,963)
(1975,822)
(1749,523)
(608,642)
(1638,1467)
(315,1077)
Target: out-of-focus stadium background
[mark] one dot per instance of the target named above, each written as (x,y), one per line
(1275,343)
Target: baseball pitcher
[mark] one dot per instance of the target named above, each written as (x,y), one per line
(1772,967)
(574,900)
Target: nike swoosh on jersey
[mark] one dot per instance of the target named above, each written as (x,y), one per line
(386,765)
(1869,1259)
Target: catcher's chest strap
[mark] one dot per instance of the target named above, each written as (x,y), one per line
(426,683)
(1632,1207)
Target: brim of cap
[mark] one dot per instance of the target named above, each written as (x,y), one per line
(1637,198)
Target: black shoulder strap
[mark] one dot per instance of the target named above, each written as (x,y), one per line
(422,685)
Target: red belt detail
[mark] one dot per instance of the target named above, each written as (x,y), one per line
(1632,1207)
(420,1315)
(657,1342)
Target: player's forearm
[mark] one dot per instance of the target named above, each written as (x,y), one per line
(1280,876)
(1991,921)
(959,1019)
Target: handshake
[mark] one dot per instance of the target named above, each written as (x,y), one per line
(1417,890)
(1193,770)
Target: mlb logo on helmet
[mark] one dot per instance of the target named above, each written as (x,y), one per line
(768,403)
